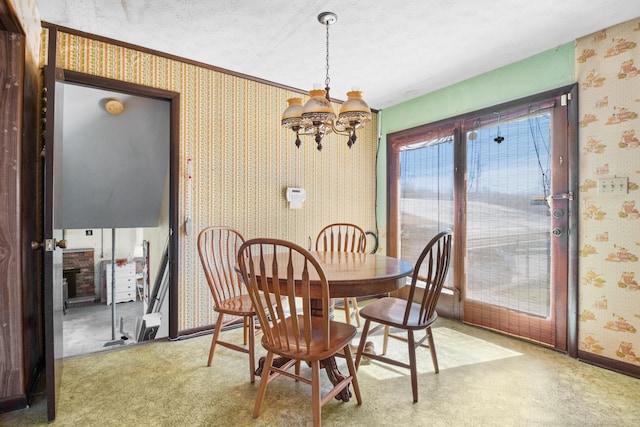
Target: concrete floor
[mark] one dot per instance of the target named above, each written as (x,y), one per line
(485,379)
(87,328)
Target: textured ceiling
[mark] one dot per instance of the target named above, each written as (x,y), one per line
(392,50)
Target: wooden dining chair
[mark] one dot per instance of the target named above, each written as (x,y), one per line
(408,315)
(218,247)
(343,237)
(294,315)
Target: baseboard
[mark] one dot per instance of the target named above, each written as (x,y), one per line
(610,364)
(13,403)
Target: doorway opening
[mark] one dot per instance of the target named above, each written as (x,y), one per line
(115,216)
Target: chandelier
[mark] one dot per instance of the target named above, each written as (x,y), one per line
(317,118)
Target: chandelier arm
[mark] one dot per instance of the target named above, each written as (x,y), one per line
(308,133)
(340,131)
(334,129)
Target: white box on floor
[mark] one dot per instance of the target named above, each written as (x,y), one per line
(147,326)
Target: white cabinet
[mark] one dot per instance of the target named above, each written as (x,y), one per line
(125,278)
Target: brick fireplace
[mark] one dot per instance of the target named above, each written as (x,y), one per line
(78,270)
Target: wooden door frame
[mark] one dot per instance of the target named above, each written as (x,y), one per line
(12,345)
(104,83)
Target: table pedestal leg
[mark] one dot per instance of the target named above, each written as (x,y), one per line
(335,377)
(316,308)
(278,362)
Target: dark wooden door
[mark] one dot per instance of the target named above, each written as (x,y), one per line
(51,247)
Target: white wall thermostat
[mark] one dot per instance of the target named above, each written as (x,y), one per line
(295,197)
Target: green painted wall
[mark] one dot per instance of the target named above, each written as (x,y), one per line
(547,70)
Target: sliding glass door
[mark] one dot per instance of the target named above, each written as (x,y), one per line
(508,243)
(500,179)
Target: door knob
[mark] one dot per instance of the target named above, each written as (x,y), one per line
(49,244)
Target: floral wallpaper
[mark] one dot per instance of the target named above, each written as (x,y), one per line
(608,73)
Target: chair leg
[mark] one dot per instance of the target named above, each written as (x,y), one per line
(264,380)
(352,372)
(356,310)
(250,332)
(245,326)
(316,396)
(432,349)
(216,335)
(385,342)
(363,340)
(347,310)
(412,365)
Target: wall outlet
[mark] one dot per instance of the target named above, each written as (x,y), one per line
(612,185)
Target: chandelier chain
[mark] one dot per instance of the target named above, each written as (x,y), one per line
(327,80)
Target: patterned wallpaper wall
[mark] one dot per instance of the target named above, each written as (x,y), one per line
(609,78)
(243,160)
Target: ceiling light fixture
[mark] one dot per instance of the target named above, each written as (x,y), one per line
(114,106)
(317,118)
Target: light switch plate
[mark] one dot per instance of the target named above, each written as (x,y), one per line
(612,185)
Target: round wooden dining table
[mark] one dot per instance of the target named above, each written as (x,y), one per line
(355,275)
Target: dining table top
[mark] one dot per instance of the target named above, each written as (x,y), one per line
(358,274)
